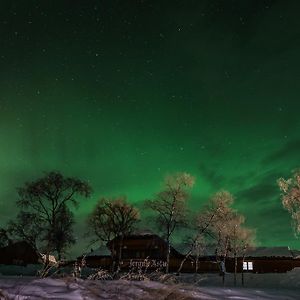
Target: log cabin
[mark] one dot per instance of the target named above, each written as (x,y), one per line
(148,250)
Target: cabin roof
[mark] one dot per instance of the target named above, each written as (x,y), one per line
(138,236)
(184,248)
(296,253)
(101,251)
(283,251)
(143,232)
(269,252)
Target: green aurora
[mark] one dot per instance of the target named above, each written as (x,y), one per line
(121,93)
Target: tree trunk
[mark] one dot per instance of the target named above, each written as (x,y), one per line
(197,264)
(224,261)
(196,268)
(168,256)
(235,268)
(223,273)
(243,270)
(120,252)
(183,261)
(58,265)
(113,257)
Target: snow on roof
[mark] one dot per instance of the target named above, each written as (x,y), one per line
(269,252)
(101,251)
(251,252)
(143,232)
(184,248)
(296,253)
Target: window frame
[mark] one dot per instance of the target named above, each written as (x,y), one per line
(247,265)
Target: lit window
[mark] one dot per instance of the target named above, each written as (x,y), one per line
(248,265)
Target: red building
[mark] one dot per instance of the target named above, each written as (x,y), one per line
(149,251)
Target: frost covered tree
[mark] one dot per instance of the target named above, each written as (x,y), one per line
(227,226)
(45,206)
(245,239)
(240,238)
(222,214)
(208,223)
(195,245)
(170,206)
(113,218)
(290,198)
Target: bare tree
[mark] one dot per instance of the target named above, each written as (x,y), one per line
(113,218)
(28,227)
(210,223)
(217,215)
(170,206)
(240,239)
(222,215)
(203,224)
(246,240)
(62,235)
(195,244)
(46,200)
(290,198)
(232,237)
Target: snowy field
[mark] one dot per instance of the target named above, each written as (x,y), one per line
(30,288)
(207,286)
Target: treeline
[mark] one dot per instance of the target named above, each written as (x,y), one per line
(45,218)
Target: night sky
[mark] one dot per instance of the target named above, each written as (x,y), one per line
(121,93)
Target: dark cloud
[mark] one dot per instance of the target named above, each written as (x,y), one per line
(259,193)
(212,176)
(271,176)
(288,152)
(265,191)
(278,226)
(241,180)
(270,220)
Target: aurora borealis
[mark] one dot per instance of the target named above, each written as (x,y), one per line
(121,93)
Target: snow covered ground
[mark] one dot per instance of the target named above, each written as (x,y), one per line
(69,288)
(208,286)
(289,280)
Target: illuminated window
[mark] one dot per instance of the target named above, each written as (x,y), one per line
(248,265)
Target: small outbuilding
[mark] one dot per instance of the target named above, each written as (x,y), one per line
(100,257)
(19,253)
(268,260)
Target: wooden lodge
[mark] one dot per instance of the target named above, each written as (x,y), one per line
(147,250)
(144,250)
